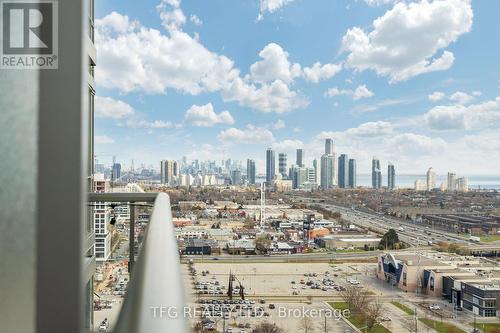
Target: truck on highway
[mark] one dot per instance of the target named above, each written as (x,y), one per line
(475,239)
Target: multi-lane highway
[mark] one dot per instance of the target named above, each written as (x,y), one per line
(410,233)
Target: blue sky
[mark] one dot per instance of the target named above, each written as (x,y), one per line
(414,83)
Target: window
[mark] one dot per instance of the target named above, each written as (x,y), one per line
(404,279)
(490,313)
(490,304)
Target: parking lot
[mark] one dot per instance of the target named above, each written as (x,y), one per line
(264,280)
(279,293)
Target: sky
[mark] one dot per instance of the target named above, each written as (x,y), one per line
(415,83)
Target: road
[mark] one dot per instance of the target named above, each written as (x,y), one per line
(410,233)
(309,257)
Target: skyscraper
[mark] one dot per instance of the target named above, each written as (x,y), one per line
(343,171)
(352,173)
(282,169)
(116,172)
(316,170)
(236,177)
(452,181)
(329,146)
(251,171)
(431,179)
(300,158)
(376,173)
(169,171)
(462,184)
(270,165)
(391,176)
(327,171)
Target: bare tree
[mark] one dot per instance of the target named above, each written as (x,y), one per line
(266,327)
(356,298)
(306,324)
(410,324)
(372,313)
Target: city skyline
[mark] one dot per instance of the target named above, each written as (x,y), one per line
(280,88)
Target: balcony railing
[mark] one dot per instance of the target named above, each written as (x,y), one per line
(155,298)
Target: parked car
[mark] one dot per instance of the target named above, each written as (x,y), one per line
(434,307)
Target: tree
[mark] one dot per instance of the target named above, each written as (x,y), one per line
(389,240)
(410,324)
(266,327)
(306,324)
(355,298)
(372,314)
(262,243)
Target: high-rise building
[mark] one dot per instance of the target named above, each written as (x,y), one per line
(327,171)
(116,172)
(316,170)
(376,173)
(452,181)
(300,176)
(270,165)
(420,185)
(101,216)
(329,146)
(251,172)
(352,173)
(169,171)
(300,158)
(236,177)
(282,167)
(391,177)
(462,184)
(343,171)
(431,179)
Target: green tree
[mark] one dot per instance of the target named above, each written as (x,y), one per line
(389,240)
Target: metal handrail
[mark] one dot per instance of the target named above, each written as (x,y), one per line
(155,299)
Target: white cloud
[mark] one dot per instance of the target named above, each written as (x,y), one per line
(249,135)
(320,72)
(460,117)
(280,124)
(406,40)
(410,143)
(274,66)
(270,6)
(156,124)
(461,98)
(381,2)
(371,129)
(360,92)
(275,97)
(171,14)
(287,146)
(204,116)
(103,140)
(107,107)
(436,96)
(196,20)
(374,106)
(136,58)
